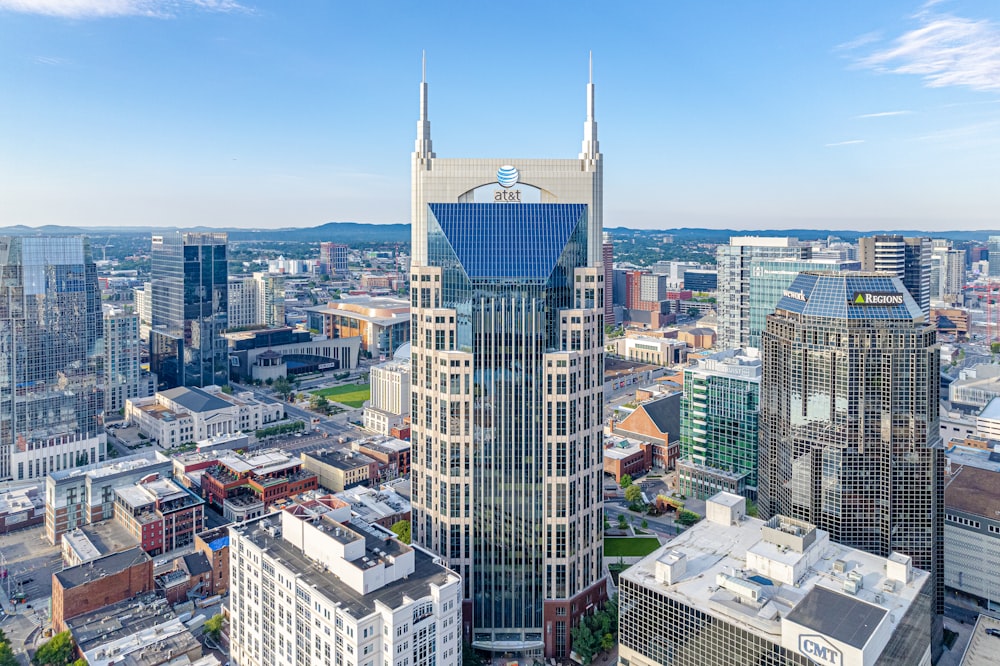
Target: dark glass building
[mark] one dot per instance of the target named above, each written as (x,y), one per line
(190,304)
(849,436)
(51,335)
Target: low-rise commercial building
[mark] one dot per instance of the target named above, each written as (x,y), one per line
(624,456)
(391,453)
(93,541)
(737,590)
(214,543)
(180,415)
(263,476)
(98,583)
(160,513)
(277,352)
(975,386)
(339,469)
(988,421)
(86,495)
(652,350)
(21,507)
(359,595)
(382,506)
(389,406)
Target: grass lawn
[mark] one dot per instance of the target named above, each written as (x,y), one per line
(353,395)
(629,546)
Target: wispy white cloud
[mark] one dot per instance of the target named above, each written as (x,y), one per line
(884,114)
(945,50)
(852,142)
(52,61)
(114,8)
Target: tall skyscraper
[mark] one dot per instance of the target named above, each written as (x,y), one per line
(190,302)
(906,258)
(734,265)
(770,277)
(507,297)
(50,352)
(849,435)
(124,377)
(256,300)
(608,249)
(719,411)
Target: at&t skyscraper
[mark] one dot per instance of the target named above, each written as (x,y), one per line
(507,372)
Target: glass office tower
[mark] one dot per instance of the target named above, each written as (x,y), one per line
(190,306)
(50,350)
(507,305)
(849,405)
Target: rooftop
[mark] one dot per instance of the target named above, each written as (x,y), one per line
(343,459)
(313,574)
(194,399)
(975,491)
(991,410)
(119,466)
(117,620)
(840,592)
(983,647)
(101,567)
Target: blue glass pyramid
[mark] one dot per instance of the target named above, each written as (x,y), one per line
(519,241)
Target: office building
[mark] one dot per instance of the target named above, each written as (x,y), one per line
(770,278)
(256,300)
(701,280)
(608,257)
(339,469)
(86,495)
(333,259)
(142,297)
(993,255)
(160,514)
(849,437)
(905,258)
(719,412)
(975,387)
(313,590)
(237,480)
(735,591)
(190,303)
(389,406)
(507,298)
(50,354)
(734,264)
(972,532)
(124,377)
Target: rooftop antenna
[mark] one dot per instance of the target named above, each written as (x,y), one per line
(423,148)
(590,145)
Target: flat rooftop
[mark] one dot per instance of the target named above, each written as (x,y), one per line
(426,572)
(983,647)
(118,620)
(101,567)
(818,600)
(975,491)
(343,459)
(119,466)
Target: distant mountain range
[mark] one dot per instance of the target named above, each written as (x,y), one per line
(361,232)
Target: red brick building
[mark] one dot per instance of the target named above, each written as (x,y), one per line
(270,476)
(214,544)
(392,456)
(161,514)
(623,457)
(98,583)
(656,421)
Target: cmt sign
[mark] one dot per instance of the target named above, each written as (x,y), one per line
(819,650)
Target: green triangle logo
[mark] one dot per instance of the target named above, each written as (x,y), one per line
(860,299)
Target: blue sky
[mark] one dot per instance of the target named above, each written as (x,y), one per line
(828,114)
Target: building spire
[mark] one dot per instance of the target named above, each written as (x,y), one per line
(591,149)
(423,148)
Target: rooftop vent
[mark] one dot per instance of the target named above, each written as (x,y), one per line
(840,566)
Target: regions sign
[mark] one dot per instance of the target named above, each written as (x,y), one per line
(876,298)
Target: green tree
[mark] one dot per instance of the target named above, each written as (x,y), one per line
(320,404)
(59,651)
(693,312)
(751,508)
(626,481)
(402,530)
(622,521)
(687,518)
(633,495)
(585,643)
(227,389)
(213,627)
(7,657)
(282,387)
(469,655)
(645,523)
(995,347)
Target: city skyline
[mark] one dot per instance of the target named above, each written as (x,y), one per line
(258,114)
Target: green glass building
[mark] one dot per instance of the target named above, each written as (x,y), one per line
(719,425)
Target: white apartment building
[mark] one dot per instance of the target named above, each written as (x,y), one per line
(390,396)
(256,300)
(124,377)
(314,591)
(185,414)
